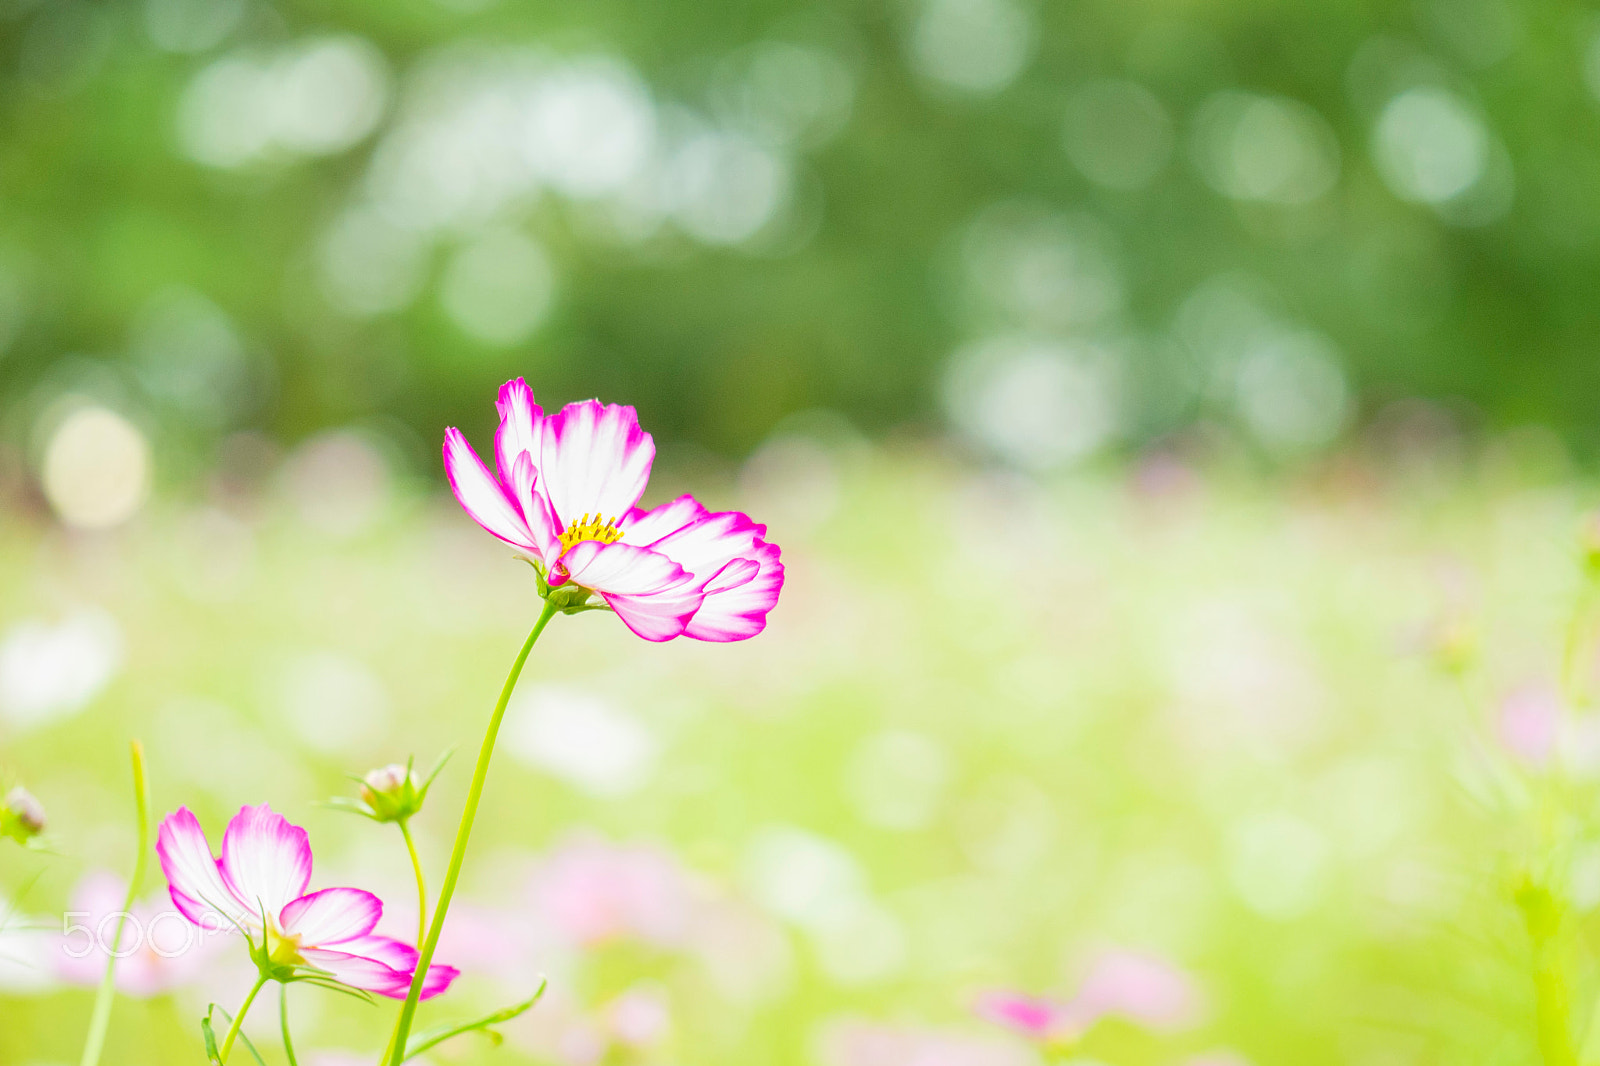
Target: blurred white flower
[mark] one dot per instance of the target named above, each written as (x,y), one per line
(49,671)
(96,469)
(582,738)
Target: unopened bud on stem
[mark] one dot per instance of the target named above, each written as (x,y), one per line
(21,816)
(393,792)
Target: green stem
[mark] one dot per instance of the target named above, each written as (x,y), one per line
(402,1032)
(238,1019)
(1574,684)
(100,1020)
(422,883)
(1551,1006)
(283,1020)
(1542,917)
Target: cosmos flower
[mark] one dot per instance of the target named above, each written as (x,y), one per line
(566,493)
(258,888)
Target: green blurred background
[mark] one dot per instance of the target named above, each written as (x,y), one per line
(294,215)
(1143,394)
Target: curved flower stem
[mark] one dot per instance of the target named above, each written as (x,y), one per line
(100,1020)
(402,1031)
(283,1021)
(238,1019)
(422,883)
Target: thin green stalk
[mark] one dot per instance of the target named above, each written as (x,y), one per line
(238,1019)
(422,883)
(1542,917)
(100,1020)
(1573,680)
(458,854)
(283,1021)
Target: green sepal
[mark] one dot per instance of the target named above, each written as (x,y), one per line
(438,765)
(350,805)
(430,1038)
(333,986)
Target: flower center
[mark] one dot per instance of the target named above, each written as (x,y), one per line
(587,528)
(284,950)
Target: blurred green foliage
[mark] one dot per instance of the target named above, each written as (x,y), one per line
(1487,305)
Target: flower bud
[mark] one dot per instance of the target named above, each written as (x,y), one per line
(21,816)
(393,792)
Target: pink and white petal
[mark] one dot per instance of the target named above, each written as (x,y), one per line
(622,568)
(266,862)
(359,971)
(644,527)
(483,497)
(657,616)
(402,957)
(740,612)
(733,575)
(396,954)
(193,879)
(706,546)
(439,979)
(594,459)
(520,419)
(524,483)
(331,916)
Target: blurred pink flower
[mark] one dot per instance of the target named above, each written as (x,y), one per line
(258,888)
(640,1017)
(592,891)
(164,951)
(1528,724)
(566,492)
(1140,987)
(1034,1017)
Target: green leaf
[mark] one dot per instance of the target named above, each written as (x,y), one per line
(430,1038)
(214,1056)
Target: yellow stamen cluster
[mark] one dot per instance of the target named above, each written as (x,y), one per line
(586,528)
